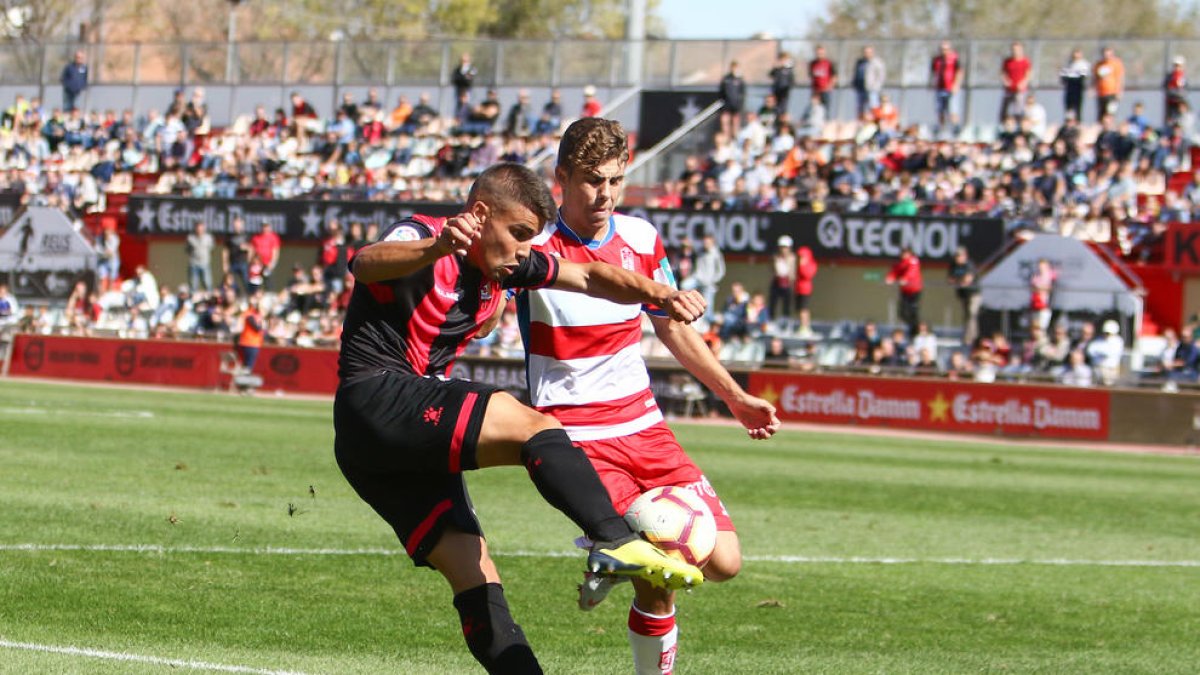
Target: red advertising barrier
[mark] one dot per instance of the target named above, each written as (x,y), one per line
(292,369)
(183,364)
(173,363)
(938,405)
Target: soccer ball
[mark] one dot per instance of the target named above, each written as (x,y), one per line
(676,520)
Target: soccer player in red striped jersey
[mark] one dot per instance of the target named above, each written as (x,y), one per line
(586,369)
(404,433)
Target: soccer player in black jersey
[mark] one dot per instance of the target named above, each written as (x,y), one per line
(405,433)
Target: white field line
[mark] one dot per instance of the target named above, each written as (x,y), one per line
(124,414)
(138,658)
(786,559)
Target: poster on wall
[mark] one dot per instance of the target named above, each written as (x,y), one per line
(42,256)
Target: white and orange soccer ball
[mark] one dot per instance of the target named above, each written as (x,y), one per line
(676,520)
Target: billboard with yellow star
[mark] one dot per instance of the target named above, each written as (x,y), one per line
(939,405)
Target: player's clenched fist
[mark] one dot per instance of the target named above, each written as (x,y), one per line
(458,233)
(685,306)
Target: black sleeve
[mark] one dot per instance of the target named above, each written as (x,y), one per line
(537,271)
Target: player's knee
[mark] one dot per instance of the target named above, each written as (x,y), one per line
(539,422)
(724,564)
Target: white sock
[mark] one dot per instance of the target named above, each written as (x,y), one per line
(652,638)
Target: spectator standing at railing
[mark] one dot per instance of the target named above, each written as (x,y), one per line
(806,271)
(74,80)
(463,77)
(235,258)
(1175,86)
(964,278)
(1110,83)
(195,114)
(822,75)
(870,72)
(1014,75)
(906,276)
(199,251)
(108,258)
(266,245)
(1074,77)
(783,279)
(946,75)
(732,92)
(783,78)
(334,257)
(708,273)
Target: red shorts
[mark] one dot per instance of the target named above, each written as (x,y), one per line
(631,465)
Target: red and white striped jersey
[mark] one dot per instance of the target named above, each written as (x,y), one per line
(583,354)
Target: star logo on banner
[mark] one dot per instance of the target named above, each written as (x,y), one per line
(312,222)
(768,394)
(939,406)
(689,109)
(145,217)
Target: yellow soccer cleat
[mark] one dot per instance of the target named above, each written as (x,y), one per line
(639,558)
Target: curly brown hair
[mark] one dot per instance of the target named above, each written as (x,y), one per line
(590,142)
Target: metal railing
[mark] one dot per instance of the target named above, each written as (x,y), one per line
(610,63)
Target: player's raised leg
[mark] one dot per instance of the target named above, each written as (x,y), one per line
(513,433)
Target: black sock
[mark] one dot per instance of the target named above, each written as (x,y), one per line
(567,481)
(495,640)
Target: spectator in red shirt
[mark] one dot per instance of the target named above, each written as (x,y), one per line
(1014,74)
(906,275)
(946,73)
(266,247)
(1175,86)
(806,271)
(822,74)
(591,104)
(1041,293)
(304,116)
(260,124)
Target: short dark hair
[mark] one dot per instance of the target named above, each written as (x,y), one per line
(505,184)
(590,142)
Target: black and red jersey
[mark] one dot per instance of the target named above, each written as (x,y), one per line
(421,322)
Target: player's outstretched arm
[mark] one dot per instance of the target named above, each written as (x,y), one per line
(619,285)
(686,345)
(386,260)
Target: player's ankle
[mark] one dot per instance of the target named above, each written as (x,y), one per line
(615,542)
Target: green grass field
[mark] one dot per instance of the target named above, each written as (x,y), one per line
(864,554)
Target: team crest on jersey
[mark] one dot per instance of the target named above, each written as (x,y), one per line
(403,233)
(627,258)
(485,293)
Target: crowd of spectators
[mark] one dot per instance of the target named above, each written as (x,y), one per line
(1105,180)
(1036,175)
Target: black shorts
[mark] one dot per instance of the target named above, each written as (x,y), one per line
(802,300)
(402,442)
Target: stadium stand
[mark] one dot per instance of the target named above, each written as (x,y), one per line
(1116,182)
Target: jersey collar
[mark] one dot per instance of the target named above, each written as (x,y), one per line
(592,244)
